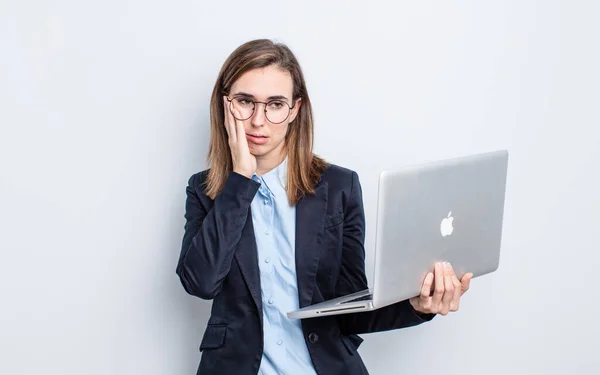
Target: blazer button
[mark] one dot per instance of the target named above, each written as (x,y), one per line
(313,337)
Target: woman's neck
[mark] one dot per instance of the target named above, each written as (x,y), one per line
(267,163)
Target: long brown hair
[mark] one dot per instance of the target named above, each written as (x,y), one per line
(304,167)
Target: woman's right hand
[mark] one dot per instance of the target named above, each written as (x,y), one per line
(244,162)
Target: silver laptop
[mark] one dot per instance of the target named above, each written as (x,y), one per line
(448,210)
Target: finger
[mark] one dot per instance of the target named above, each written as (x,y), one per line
(229,121)
(466,282)
(425,298)
(448,288)
(240,131)
(427,284)
(438,291)
(455,303)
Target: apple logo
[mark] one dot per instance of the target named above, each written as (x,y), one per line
(446,226)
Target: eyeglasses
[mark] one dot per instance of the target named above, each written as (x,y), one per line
(276,111)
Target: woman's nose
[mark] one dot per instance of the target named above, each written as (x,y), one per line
(259,116)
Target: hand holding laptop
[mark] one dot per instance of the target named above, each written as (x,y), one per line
(441,290)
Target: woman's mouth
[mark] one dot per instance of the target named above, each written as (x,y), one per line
(258,139)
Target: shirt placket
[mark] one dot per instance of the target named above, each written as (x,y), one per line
(273,261)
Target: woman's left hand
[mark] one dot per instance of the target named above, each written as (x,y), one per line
(441,291)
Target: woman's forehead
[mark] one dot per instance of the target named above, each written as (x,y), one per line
(264,83)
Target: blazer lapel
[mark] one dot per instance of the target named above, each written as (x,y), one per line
(310,223)
(247,259)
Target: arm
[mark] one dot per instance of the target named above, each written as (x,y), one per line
(211,236)
(353,279)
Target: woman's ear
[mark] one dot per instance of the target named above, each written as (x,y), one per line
(296,109)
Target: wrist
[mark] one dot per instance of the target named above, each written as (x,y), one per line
(243,173)
(415,307)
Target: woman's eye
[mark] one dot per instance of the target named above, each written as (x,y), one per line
(276,105)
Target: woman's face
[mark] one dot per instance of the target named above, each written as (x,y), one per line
(265,138)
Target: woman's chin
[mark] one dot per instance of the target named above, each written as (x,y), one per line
(264,150)
(258,150)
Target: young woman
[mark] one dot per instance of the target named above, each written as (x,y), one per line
(271,227)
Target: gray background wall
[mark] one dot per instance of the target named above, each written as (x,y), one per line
(104,116)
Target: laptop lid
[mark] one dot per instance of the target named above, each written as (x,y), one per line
(449,210)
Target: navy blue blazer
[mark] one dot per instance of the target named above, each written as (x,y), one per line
(219,261)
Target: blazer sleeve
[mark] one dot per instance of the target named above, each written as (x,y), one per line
(352,277)
(211,235)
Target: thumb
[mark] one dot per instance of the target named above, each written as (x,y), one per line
(466,282)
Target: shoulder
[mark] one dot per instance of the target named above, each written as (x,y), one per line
(198,179)
(343,186)
(339,178)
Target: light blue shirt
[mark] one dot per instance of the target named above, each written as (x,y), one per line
(274,220)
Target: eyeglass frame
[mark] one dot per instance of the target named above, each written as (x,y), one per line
(254,109)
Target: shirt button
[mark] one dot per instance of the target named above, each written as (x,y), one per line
(266,201)
(279,342)
(271,301)
(267,232)
(267,260)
